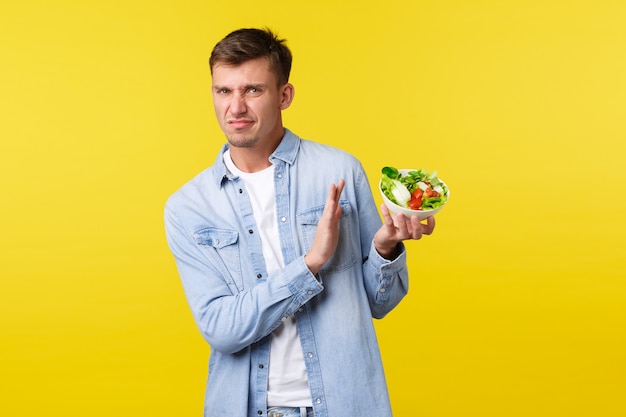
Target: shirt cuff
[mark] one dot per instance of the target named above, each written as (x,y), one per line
(303,284)
(386,265)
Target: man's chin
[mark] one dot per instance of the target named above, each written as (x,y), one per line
(241,141)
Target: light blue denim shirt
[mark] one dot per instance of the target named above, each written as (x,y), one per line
(211,231)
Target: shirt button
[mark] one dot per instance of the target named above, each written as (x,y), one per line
(260,412)
(310,355)
(259,276)
(283,219)
(319,401)
(382,290)
(261,366)
(280,175)
(250,231)
(284,319)
(240,191)
(309,292)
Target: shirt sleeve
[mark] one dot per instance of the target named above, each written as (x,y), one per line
(386,281)
(230,321)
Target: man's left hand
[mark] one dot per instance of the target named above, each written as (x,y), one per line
(395,230)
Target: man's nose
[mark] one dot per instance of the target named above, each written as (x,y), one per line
(238,104)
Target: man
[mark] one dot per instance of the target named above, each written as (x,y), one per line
(282,253)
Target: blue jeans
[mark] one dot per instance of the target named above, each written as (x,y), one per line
(290,412)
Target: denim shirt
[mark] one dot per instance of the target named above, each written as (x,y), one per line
(212,234)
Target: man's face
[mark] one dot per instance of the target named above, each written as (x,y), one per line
(248,102)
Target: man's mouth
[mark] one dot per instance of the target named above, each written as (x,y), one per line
(239,123)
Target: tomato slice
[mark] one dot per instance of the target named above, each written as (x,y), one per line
(431,193)
(416,200)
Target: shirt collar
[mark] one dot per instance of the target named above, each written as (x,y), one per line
(286,151)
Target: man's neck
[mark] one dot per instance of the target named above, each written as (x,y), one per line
(249,159)
(255,158)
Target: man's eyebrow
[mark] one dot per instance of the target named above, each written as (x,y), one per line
(245,87)
(257,86)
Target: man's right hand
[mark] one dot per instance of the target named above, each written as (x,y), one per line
(327,234)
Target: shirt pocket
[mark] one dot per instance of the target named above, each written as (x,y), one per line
(222,249)
(345,254)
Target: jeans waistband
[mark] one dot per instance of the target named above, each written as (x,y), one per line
(290,412)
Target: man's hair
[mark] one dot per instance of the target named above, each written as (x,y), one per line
(247,44)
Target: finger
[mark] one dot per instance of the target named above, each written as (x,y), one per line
(331,199)
(340,186)
(416,228)
(428,228)
(387,220)
(338,191)
(402,224)
(335,191)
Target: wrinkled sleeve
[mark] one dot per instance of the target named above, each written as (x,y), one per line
(386,282)
(230,321)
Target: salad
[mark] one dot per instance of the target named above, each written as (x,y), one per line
(415,190)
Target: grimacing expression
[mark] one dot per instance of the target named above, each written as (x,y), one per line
(248,102)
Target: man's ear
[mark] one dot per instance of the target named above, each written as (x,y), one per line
(287,93)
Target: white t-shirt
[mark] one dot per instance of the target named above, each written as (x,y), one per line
(288,383)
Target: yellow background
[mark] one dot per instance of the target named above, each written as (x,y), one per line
(517,302)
